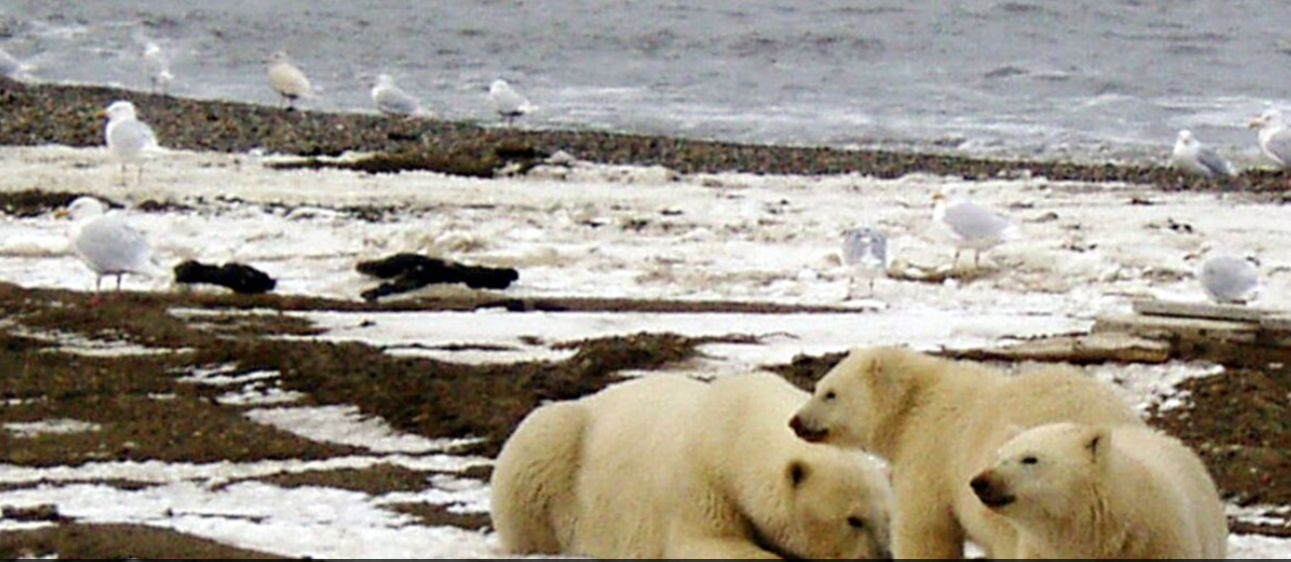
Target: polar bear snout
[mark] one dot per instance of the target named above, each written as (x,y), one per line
(992,493)
(806,432)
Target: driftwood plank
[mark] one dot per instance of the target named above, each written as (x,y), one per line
(1082,349)
(1225,312)
(1277,323)
(1167,328)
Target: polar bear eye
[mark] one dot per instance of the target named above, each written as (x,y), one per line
(1030,461)
(830,395)
(856,522)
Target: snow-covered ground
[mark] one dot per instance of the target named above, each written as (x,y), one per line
(594,231)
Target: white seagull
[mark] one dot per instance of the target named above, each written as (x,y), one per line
(157,64)
(393,100)
(1275,138)
(106,244)
(506,102)
(972,226)
(1227,279)
(865,252)
(287,80)
(1191,156)
(129,140)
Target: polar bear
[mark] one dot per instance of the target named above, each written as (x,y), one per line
(1086,492)
(668,467)
(938,422)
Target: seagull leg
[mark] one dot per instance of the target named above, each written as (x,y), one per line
(977,259)
(140,176)
(955,264)
(119,276)
(871,287)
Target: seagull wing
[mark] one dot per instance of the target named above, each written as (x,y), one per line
(971,221)
(288,80)
(132,136)
(108,245)
(1278,146)
(1228,279)
(1215,163)
(394,99)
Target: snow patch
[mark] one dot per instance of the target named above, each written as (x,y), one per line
(346,425)
(29,430)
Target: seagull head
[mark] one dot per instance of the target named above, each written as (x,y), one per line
(120,110)
(1270,118)
(499,85)
(278,58)
(385,80)
(82,208)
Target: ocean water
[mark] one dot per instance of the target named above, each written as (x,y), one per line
(1085,78)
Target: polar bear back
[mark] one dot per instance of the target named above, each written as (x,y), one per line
(667,467)
(631,428)
(1181,501)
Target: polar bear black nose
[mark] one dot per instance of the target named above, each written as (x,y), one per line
(807,433)
(992,496)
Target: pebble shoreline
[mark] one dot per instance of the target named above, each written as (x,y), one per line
(59,114)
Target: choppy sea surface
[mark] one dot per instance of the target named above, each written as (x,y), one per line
(1079,78)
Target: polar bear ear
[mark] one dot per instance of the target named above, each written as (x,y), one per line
(797,473)
(1097,441)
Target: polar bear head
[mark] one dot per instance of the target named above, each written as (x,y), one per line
(1045,473)
(838,508)
(857,401)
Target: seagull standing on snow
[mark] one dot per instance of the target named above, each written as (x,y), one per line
(393,100)
(972,226)
(1193,157)
(1227,279)
(106,244)
(129,139)
(506,102)
(865,251)
(1275,138)
(287,80)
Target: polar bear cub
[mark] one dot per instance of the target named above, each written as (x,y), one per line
(667,467)
(939,422)
(1084,492)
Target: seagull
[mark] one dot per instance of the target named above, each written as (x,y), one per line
(506,102)
(865,250)
(1192,156)
(106,244)
(157,65)
(973,226)
(129,139)
(1275,138)
(393,100)
(287,80)
(1229,280)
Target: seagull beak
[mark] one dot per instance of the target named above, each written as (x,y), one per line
(1255,124)
(61,214)
(102,114)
